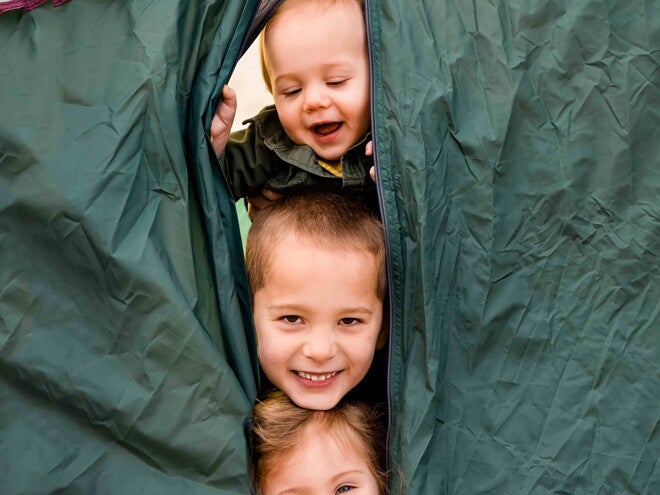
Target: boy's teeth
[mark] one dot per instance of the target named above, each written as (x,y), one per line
(316,378)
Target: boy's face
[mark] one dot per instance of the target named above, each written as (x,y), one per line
(318,320)
(323,466)
(319,72)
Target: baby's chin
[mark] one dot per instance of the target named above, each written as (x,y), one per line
(327,155)
(329,158)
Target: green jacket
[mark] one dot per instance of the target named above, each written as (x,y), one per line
(262,155)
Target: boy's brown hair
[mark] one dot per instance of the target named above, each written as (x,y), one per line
(279,426)
(283,7)
(330,219)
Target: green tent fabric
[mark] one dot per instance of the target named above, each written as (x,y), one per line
(517,146)
(127,360)
(519,162)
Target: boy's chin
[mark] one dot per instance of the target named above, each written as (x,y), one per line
(315,403)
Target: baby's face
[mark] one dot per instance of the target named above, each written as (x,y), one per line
(318,320)
(317,59)
(322,466)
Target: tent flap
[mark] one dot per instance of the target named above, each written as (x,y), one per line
(518,156)
(126,353)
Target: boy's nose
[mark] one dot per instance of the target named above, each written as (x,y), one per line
(320,345)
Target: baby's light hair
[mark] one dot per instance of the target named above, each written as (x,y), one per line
(329,219)
(279,427)
(283,7)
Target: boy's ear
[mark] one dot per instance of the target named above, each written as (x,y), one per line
(384,327)
(383,334)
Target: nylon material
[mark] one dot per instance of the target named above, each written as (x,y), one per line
(415,450)
(107,288)
(530,240)
(382,160)
(86,457)
(216,203)
(128,347)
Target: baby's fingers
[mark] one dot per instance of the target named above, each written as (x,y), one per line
(227,109)
(369,148)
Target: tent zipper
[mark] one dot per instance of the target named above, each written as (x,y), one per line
(381,206)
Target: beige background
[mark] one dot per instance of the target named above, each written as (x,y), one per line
(251,96)
(249,86)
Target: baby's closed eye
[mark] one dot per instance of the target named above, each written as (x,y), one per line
(291,92)
(337,82)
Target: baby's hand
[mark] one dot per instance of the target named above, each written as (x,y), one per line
(369,151)
(222,120)
(259,200)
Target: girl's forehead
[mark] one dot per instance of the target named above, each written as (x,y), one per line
(336,434)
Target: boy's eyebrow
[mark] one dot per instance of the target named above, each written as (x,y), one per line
(287,307)
(301,308)
(363,311)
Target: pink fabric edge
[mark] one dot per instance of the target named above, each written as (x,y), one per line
(26,4)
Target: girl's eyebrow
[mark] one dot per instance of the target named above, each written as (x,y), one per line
(291,491)
(343,474)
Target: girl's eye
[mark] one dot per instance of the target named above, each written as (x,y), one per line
(344,488)
(349,321)
(337,83)
(292,319)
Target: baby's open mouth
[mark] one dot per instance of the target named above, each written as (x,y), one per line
(327,128)
(316,377)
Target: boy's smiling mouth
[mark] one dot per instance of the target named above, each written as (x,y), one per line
(316,377)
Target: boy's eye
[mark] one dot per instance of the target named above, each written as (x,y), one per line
(350,321)
(344,488)
(292,319)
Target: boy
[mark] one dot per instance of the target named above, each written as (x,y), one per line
(316,266)
(316,65)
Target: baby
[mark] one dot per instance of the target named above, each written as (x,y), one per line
(298,450)
(316,65)
(316,266)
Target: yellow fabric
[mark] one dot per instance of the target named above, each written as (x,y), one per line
(333,167)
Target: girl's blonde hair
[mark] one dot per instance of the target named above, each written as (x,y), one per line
(279,428)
